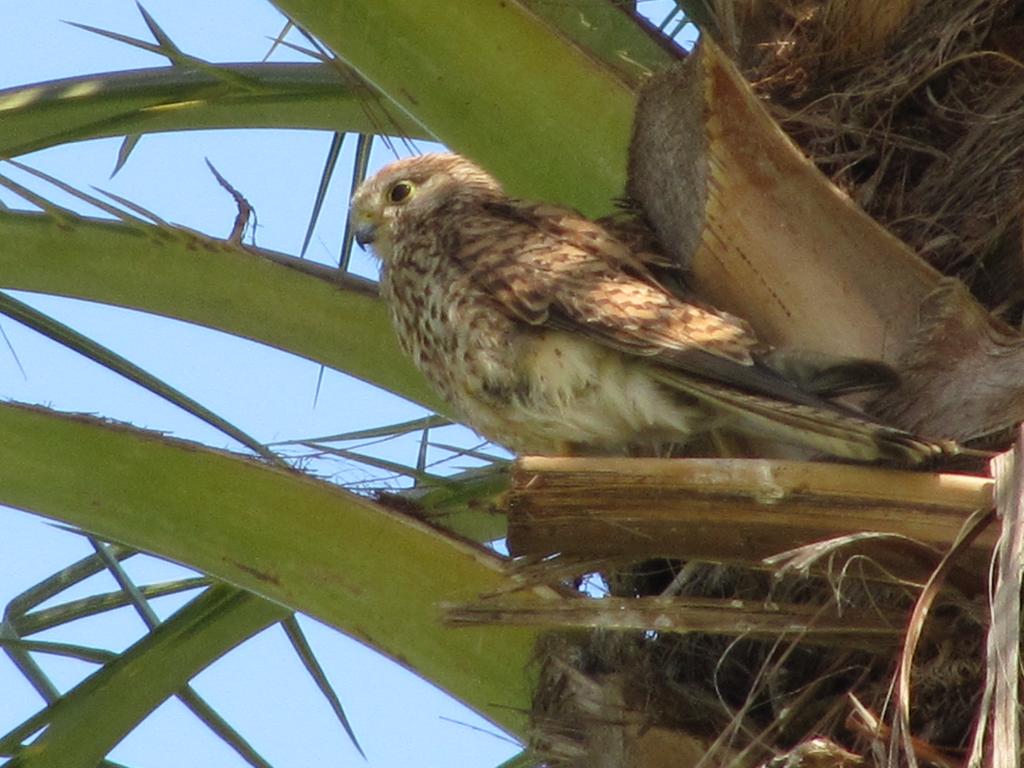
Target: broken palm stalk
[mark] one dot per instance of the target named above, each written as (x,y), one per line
(765,235)
(871,630)
(740,510)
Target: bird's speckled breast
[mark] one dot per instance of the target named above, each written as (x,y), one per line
(464,345)
(533,390)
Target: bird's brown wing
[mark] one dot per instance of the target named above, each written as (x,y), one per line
(548,261)
(551,267)
(555,269)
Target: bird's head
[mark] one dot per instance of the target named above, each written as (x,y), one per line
(412,190)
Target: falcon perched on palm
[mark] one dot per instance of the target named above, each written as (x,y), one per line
(550,335)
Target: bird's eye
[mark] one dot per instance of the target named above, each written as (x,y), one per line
(400,192)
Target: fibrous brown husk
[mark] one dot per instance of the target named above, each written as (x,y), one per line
(924,128)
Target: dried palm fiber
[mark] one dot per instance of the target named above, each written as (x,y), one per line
(752,698)
(924,128)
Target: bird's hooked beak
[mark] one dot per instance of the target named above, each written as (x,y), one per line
(364,226)
(366,232)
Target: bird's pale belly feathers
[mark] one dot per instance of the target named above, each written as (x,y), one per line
(570,392)
(532,390)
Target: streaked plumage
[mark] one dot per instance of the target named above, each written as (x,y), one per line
(549,334)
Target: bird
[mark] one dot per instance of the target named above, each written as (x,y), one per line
(551,334)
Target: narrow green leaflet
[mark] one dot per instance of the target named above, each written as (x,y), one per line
(288,95)
(85,724)
(72,339)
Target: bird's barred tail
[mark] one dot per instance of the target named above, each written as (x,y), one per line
(832,430)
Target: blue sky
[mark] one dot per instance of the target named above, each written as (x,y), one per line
(260,688)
